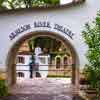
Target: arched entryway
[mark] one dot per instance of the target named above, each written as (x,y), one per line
(11,59)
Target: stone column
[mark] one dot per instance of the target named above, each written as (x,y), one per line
(75,77)
(73,74)
(13,74)
(77,83)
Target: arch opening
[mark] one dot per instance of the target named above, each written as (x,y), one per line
(11,59)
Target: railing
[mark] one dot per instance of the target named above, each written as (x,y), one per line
(45,65)
(51,70)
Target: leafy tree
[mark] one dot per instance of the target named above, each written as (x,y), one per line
(91,35)
(1,2)
(13,4)
(47,42)
(51,2)
(1,5)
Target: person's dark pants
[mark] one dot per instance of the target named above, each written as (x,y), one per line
(31,71)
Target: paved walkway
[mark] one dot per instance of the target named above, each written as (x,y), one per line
(43,89)
(43,86)
(40,97)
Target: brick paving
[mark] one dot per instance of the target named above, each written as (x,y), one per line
(40,97)
(42,89)
(43,86)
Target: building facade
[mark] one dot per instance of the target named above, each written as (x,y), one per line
(57,62)
(65,23)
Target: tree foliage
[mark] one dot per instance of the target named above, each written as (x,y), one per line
(91,35)
(44,42)
(13,4)
(3,88)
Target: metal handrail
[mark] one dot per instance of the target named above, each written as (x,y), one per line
(45,65)
(45,70)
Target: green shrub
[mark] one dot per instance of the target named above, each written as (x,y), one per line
(91,36)
(3,88)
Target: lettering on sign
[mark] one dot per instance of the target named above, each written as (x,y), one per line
(42,24)
(19,31)
(38,24)
(64,30)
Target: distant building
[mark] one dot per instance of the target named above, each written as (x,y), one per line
(59,65)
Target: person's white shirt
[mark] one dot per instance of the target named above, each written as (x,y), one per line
(37,52)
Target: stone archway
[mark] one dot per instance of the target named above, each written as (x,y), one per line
(11,65)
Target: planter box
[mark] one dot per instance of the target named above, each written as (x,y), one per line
(83,81)
(91,91)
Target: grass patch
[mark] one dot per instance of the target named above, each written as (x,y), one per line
(58,76)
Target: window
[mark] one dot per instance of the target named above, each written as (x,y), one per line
(20,59)
(58,62)
(65,61)
(20,74)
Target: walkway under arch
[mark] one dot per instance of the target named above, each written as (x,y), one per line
(11,64)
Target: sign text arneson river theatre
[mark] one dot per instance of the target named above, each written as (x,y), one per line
(41,24)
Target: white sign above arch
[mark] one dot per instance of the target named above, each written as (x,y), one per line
(41,24)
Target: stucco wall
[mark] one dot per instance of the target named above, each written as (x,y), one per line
(72,18)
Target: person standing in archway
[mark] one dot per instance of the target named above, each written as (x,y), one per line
(31,66)
(37,52)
